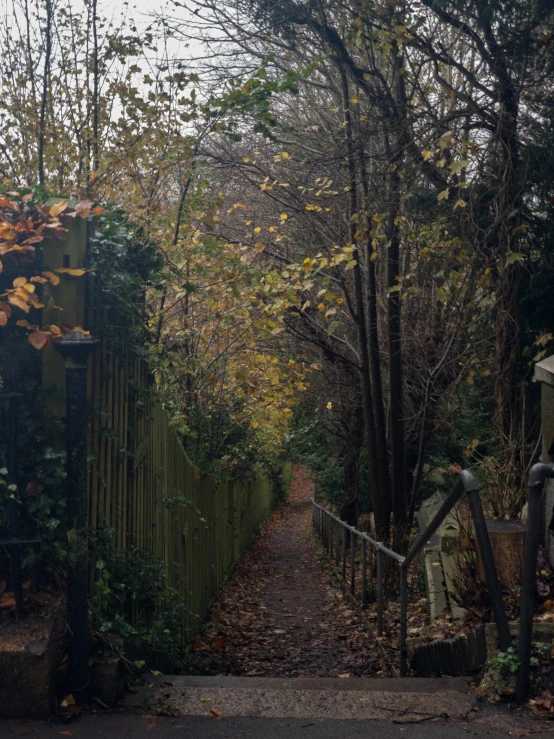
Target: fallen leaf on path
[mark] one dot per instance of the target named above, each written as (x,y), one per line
(215,712)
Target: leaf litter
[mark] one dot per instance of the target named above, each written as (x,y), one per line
(279,614)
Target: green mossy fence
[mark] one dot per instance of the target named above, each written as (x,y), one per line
(140,480)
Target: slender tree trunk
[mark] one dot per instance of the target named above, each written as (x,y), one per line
(95,89)
(373,345)
(394,305)
(45,86)
(380,508)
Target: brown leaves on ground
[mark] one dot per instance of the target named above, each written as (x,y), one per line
(278,614)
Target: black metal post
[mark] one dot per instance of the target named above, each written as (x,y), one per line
(76,347)
(364,573)
(493,586)
(537,476)
(337,528)
(379,585)
(352,562)
(343,553)
(403,621)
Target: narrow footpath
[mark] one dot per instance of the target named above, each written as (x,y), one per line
(279,615)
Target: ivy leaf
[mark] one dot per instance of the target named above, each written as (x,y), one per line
(443,195)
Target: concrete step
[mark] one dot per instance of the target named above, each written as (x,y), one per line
(409,699)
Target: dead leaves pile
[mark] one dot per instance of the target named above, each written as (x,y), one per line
(279,616)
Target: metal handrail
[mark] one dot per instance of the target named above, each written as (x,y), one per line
(468,484)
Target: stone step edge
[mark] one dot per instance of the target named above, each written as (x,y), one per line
(370,685)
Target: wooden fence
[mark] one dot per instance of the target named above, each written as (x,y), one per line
(140,480)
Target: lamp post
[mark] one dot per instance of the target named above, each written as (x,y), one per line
(76,347)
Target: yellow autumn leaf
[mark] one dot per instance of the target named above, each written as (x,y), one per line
(283,216)
(54,279)
(58,208)
(73,272)
(426,155)
(18,301)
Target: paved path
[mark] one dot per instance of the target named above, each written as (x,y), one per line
(123,726)
(276,637)
(278,616)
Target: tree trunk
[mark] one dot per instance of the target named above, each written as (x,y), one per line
(44,94)
(380,509)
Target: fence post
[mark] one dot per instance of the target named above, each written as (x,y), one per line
(352,562)
(364,573)
(379,584)
(403,620)
(337,527)
(75,348)
(343,553)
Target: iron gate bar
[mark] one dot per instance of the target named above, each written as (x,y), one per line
(468,484)
(352,562)
(379,576)
(364,573)
(344,553)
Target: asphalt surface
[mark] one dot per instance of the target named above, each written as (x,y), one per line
(116,725)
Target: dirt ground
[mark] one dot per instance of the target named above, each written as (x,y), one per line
(279,616)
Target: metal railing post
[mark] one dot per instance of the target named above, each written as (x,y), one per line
(343,553)
(379,576)
(493,585)
(337,528)
(364,573)
(537,477)
(403,620)
(352,562)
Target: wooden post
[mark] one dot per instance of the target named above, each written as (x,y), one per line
(69,295)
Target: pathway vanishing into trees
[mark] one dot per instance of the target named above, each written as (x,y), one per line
(279,616)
